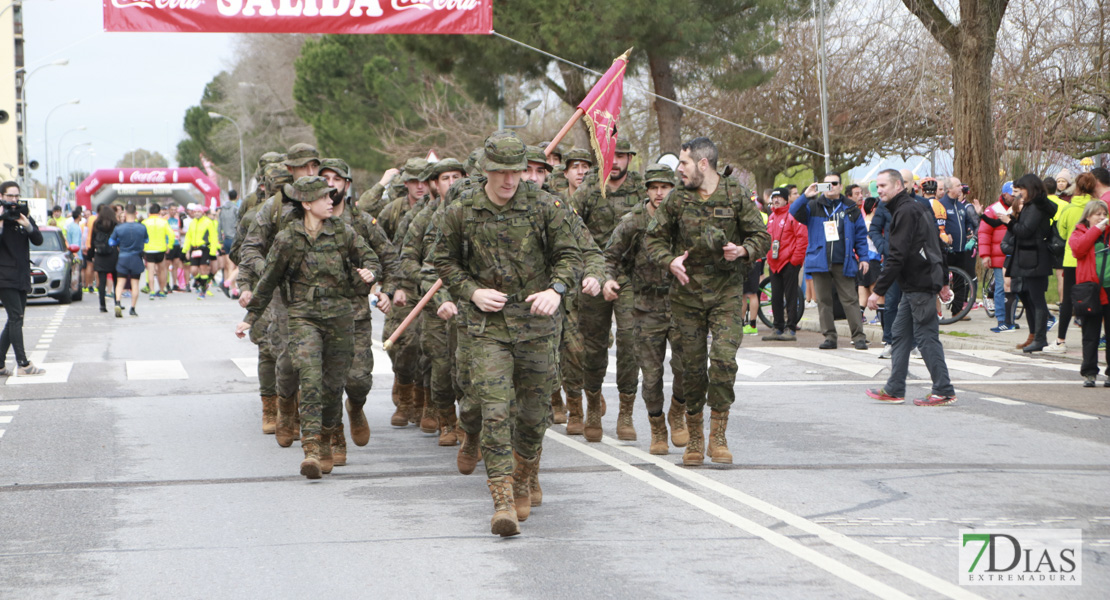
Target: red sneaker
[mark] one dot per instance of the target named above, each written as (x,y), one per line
(935,400)
(882,396)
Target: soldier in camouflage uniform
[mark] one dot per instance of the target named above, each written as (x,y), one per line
(512,254)
(320,265)
(253,200)
(576,166)
(373,200)
(361,377)
(708,232)
(624,191)
(302,160)
(626,258)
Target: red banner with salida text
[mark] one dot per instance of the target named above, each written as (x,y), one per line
(301,16)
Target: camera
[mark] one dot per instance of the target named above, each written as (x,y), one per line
(10,211)
(965,188)
(823,187)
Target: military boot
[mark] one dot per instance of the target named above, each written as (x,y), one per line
(269,414)
(694,454)
(398,419)
(338,447)
(522,480)
(447,422)
(676,417)
(504,521)
(429,421)
(593,430)
(534,484)
(404,405)
(718,444)
(326,457)
(469,453)
(360,429)
(658,435)
(310,466)
(625,429)
(297,416)
(287,410)
(418,402)
(574,415)
(558,407)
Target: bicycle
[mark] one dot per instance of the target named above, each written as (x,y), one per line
(958,282)
(765,314)
(988,297)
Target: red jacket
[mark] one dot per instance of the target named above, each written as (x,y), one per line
(792,236)
(990,238)
(1082,242)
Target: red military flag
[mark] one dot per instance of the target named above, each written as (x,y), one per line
(602,111)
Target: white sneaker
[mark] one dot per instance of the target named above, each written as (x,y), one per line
(887,350)
(915,353)
(811,304)
(1056,348)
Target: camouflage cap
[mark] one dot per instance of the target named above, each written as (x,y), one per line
(270,158)
(554,152)
(578,154)
(625,147)
(276,174)
(414,168)
(535,154)
(503,151)
(338,165)
(657,173)
(472,161)
(300,155)
(446,165)
(308,189)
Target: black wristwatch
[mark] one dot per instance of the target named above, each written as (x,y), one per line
(559,288)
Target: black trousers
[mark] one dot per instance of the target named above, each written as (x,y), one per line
(784,294)
(1093,329)
(1036,307)
(1065,304)
(15,302)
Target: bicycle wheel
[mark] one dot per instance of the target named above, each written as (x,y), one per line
(958,281)
(765,314)
(988,293)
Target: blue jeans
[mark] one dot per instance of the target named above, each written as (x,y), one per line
(918,324)
(890,311)
(1000,295)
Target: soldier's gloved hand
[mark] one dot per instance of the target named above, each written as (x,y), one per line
(678,268)
(384,304)
(447,310)
(733,252)
(591,286)
(241,329)
(492,300)
(366,274)
(545,303)
(245,298)
(609,292)
(400,298)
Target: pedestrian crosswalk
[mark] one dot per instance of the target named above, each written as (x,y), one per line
(6,416)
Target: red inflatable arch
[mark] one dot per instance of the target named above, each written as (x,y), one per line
(113,183)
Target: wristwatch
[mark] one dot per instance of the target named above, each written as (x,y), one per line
(559,288)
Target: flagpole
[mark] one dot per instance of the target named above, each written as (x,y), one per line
(388,344)
(563,132)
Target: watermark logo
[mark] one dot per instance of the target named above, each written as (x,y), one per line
(1021,557)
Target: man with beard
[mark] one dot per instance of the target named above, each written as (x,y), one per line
(708,232)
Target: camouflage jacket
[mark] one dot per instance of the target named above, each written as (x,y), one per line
(316,277)
(270,218)
(413,248)
(626,259)
(518,249)
(368,228)
(601,214)
(372,201)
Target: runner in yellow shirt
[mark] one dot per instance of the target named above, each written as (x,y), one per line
(160,238)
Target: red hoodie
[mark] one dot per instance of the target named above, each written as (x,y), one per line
(792,236)
(1082,242)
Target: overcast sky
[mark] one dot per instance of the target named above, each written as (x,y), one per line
(134,87)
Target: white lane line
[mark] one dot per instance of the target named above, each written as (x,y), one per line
(249,366)
(5,419)
(749,368)
(9,407)
(1005,401)
(55,373)
(1,433)
(1073,415)
(146,370)
(776,539)
(36,357)
(824,358)
(871,382)
(1018,359)
(937,584)
(966,367)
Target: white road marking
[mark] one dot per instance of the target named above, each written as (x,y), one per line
(1,433)
(1005,401)
(55,373)
(1007,357)
(824,358)
(871,382)
(9,407)
(1073,415)
(779,540)
(249,366)
(5,419)
(749,368)
(155,369)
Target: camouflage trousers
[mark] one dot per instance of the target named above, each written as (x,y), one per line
(321,350)
(438,342)
(715,309)
(470,410)
(653,331)
(513,382)
(361,377)
(571,351)
(284,370)
(267,361)
(595,319)
(405,353)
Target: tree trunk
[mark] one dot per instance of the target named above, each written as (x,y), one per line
(668,115)
(976,160)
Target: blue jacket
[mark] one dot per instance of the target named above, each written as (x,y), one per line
(851,228)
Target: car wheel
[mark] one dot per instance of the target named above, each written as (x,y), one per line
(75,285)
(66,295)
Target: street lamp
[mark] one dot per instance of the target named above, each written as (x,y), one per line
(63,136)
(46,142)
(23,103)
(67,172)
(242,165)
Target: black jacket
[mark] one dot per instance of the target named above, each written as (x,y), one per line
(15,255)
(1031,230)
(913,255)
(104,256)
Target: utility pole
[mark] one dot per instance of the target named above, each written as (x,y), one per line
(822,75)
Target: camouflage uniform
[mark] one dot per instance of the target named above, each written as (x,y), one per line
(257,197)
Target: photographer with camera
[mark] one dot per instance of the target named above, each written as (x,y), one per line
(17,232)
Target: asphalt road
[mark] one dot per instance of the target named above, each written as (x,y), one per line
(137,469)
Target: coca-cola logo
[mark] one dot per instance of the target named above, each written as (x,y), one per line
(182,4)
(323,8)
(148,177)
(93,185)
(435,4)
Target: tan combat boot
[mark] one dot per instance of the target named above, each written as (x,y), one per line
(404,405)
(593,430)
(658,435)
(694,454)
(310,466)
(574,415)
(676,417)
(287,410)
(534,484)
(718,445)
(338,447)
(469,454)
(504,521)
(625,429)
(429,421)
(558,407)
(326,458)
(522,480)
(447,422)
(360,429)
(419,397)
(269,414)
(297,416)
(398,419)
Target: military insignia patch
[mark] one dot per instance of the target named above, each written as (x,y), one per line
(723,213)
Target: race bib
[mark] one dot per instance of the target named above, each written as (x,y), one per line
(831,232)
(196,254)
